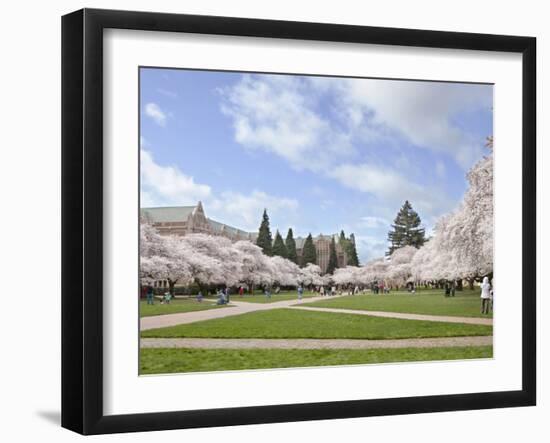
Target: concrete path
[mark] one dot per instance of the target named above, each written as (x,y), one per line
(263,343)
(442,318)
(235,307)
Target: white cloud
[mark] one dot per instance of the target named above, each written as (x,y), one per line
(158,115)
(245,210)
(277,114)
(167,93)
(282,115)
(369,247)
(167,185)
(423,112)
(390,187)
(373,221)
(273,114)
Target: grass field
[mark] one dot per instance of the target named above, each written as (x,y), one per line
(176,305)
(164,361)
(464,304)
(290,323)
(261,298)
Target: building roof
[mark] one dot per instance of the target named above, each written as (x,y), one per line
(181,214)
(219,227)
(167,214)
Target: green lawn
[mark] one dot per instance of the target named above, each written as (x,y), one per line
(293,323)
(261,298)
(465,304)
(164,361)
(176,305)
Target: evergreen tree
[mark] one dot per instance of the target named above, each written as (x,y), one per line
(290,244)
(279,247)
(342,237)
(265,241)
(353,259)
(332,259)
(310,254)
(348,245)
(406,229)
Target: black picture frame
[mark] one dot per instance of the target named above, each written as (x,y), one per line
(82,219)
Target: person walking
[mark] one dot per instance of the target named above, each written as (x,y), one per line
(300,292)
(485,295)
(226,293)
(241,291)
(150,296)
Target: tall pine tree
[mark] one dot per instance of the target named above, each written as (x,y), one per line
(406,229)
(279,247)
(309,253)
(332,259)
(353,259)
(265,241)
(342,238)
(348,246)
(290,244)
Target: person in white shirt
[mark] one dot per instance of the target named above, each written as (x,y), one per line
(485,295)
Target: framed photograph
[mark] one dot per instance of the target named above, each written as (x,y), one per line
(269,221)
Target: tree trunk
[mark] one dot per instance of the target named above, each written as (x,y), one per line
(171,285)
(471,283)
(201,288)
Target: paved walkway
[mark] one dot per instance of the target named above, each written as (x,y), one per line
(442,318)
(237,307)
(267,343)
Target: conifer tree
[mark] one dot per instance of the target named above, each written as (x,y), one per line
(265,241)
(309,254)
(353,259)
(342,237)
(332,259)
(279,247)
(290,244)
(406,229)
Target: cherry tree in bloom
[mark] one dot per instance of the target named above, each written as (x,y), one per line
(347,275)
(150,241)
(311,275)
(469,232)
(285,272)
(212,260)
(256,268)
(462,246)
(375,270)
(170,261)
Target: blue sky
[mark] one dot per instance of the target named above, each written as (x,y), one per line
(321,154)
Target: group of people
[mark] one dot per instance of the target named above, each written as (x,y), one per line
(223,296)
(380,288)
(450,288)
(329,291)
(150,296)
